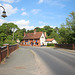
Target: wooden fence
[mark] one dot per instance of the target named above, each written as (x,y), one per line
(6,50)
(66,46)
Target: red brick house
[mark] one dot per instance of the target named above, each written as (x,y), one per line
(34,39)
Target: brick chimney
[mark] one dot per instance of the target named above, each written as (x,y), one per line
(24,34)
(45,34)
(34,31)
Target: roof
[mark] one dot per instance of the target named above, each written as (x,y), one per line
(37,35)
(50,39)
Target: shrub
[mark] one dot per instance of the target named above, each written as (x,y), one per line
(50,44)
(1,43)
(10,42)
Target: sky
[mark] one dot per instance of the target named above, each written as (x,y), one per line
(36,13)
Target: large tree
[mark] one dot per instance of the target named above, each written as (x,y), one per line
(67,31)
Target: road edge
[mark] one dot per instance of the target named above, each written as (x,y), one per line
(41,65)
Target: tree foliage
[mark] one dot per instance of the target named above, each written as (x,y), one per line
(67,31)
(6,31)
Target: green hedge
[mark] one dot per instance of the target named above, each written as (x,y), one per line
(50,44)
(10,42)
(1,43)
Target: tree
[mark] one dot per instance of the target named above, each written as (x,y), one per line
(5,29)
(2,36)
(30,31)
(67,32)
(13,27)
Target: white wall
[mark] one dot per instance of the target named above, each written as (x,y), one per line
(42,39)
(54,41)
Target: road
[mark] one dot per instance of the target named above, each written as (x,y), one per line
(58,62)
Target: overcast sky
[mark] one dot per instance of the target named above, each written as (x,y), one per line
(36,13)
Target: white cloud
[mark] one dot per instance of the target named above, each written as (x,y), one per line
(16,0)
(53,2)
(10,1)
(22,9)
(50,26)
(2,21)
(29,27)
(43,23)
(22,22)
(42,26)
(40,1)
(35,11)
(9,9)
(24,13)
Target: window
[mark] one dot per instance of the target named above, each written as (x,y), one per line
(26,40)
(24,43)
(34,43)
(36,40)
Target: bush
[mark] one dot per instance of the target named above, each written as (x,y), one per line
(10,42)
(1,43)
(50,44)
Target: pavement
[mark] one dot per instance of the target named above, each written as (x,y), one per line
(22,62)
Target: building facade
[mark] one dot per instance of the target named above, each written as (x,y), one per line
(51,40)
(34,39)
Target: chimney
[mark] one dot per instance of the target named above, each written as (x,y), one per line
(34,31)
(24,34)
(45,34)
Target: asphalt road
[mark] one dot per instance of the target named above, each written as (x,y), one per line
(58,62)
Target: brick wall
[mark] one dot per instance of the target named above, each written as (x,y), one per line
(30,42)
(66,46)
(6,50)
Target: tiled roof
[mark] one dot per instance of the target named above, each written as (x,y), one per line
(37,35)
(50,39)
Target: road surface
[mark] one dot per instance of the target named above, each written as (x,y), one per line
(58,62)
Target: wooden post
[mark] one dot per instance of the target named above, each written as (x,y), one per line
(55,45)
(17,46)
(73,46)
(0,55)
(7,50)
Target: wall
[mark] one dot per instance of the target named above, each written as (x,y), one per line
(6,50)
(42,39)
(66,46)
(29,42)
(51,42)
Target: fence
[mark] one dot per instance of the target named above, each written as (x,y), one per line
(6,50)
(67,46)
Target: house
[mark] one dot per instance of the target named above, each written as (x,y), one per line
(51,40)
(34,39)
